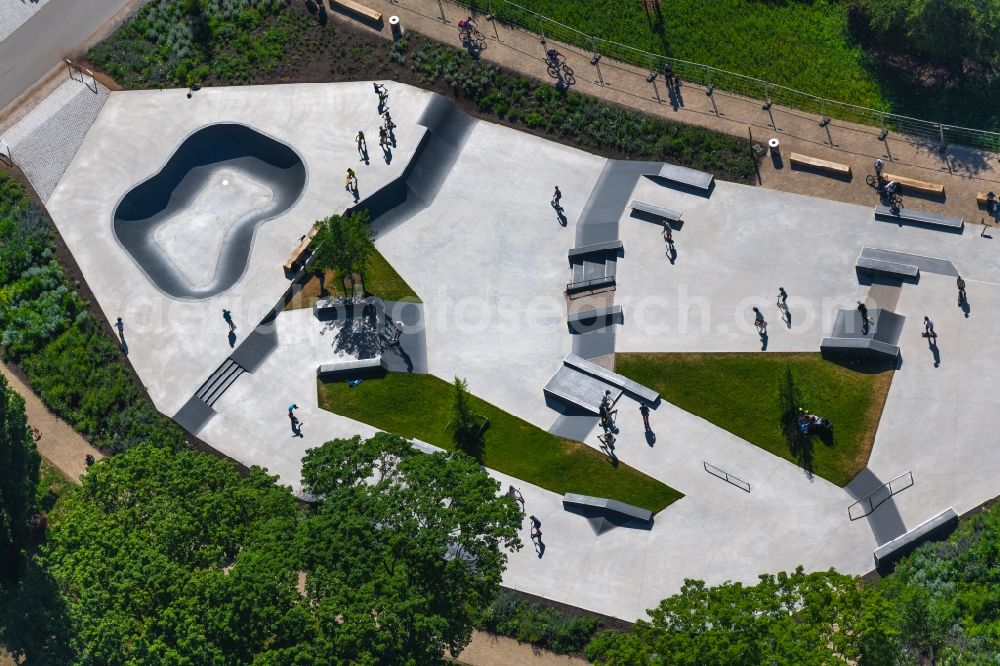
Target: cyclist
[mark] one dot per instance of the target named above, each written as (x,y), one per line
(553,57)
(467,24)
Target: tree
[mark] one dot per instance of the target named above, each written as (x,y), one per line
(343,243)
(948,30)
(400,547)
(797,618)
(467,431)
(174,558)
(19,463)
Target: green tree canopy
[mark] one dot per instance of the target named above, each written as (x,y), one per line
(343,243)
(943,29)
(19,461)
(810,619)
(174,558)
(400,547)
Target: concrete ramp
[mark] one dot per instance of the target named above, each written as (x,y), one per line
(579,389)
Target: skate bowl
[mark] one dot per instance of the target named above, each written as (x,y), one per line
(190,227)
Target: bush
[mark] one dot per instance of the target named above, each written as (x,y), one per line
(509,615)
(73,366)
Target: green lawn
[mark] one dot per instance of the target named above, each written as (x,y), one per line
(740,392)
(380,277)
(803,45)
(419,406)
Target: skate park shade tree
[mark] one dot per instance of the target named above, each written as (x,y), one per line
(419,406)
(266,174)
(739,392)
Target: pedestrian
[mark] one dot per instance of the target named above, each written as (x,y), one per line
(351,181)
(644,410)
(961,291)
(362,144)
(929,327)
(383,95)
(782,299)
(120,325)
(878,168)
(228,317)
(759,321)
(557,199)
(863,309)
(293,418)
(398,331)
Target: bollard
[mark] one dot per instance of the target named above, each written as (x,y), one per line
(396,28)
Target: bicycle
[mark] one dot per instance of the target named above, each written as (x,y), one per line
(890,199)
(558,69)
(470,34)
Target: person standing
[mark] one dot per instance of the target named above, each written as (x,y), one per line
(398,331)
(759,322)
(362,144)
(228,317)
(929,327)
(668,235)
(120,325)
(961,291)
(351,181)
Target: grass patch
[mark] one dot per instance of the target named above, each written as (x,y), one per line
(419,406)
(381,279)
(52,485)
(740,393)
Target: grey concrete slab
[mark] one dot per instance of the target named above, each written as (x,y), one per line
(912,216)
(599,221)
(579,389)
(926,264)
(635,388)
(682,175)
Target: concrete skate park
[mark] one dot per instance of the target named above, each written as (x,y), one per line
(177,207)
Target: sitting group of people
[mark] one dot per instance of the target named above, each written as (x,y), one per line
(810,422)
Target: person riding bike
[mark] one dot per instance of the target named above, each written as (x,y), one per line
(467,24)
(553,57)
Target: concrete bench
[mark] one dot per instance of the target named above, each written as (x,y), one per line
(601,505)
(613,313)
(816,163)
(353,368)
(869,265)
(597,248)
(666,214)
(588,285)
(936,528)
(920,217)
(295,261)
(359,9)
(914,184)
(865,346)
(698,180)
(579,390)
(613,378)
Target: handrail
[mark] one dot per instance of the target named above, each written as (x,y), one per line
(884,492)
(726,476)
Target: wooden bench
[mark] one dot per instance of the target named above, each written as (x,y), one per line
(982,198)
(295,261)
(920,217)
(601,505)
(893,268)
(362,367)
(699,180)
(822,165)
(937,527)
(914,184)
(372,15)
(666,214)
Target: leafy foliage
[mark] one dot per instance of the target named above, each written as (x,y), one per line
(174,558)
(343,243)
(73,366)
(466,429)
(19,461)
(509,615)
(397,566)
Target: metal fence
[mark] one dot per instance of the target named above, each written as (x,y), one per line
(874,499)
(766,92)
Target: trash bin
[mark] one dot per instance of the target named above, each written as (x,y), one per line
(397,30)
(774,146)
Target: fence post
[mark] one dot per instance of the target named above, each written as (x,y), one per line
(441,8)
(5,156)
(493,19)
(596,61)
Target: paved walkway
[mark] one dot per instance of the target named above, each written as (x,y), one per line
(962,171)
(60,444)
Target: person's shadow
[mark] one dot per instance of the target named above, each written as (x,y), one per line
(560,213)
(364,154)
(935,352)
(964,304)
(387,154)
(763,341)
(787,316)
(609,451)
(354,192)
(232,338)
(124,346)
(650,437)
(297,429)
(671,254)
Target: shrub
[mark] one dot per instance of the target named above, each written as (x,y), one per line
(509,615)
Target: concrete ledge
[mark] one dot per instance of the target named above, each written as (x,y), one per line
(295,261)
(822,165)
(920,217)
(884,267)
(624,383)
(699,180)
(934,529)
(597,248)
(354,368)
(866,346)
(579,390)
(602,505)
(613,313)
(666,213)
